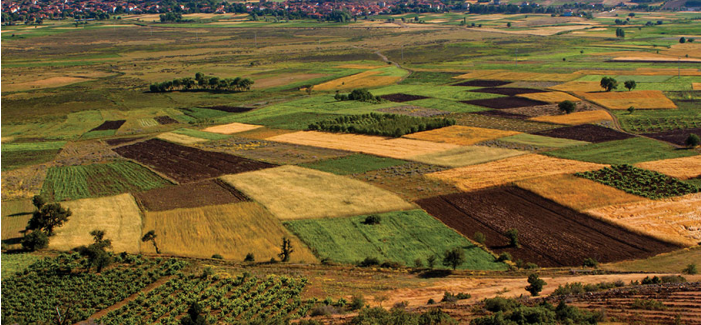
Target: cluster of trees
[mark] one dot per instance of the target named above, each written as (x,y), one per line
(620,32)
(381,124)
(171,17)
(202,82)
(362,95)
(684,40)
(511,311)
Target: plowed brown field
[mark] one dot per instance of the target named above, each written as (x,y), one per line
(190,195)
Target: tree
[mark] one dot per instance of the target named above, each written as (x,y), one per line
(682,40)
(38,201)
(608,83)
(151,236)
(431,261)
(535,284)
(372,220)
(693,140)
(620,32)
(631,109)
(454,257)
(195,316)
(513,237)
(630,84)
(249,258)
(49,217)
(590,262)
(96,253)
(567,106)
(480,238)
(690,269)
(35,240)
(286,250)
(508,24)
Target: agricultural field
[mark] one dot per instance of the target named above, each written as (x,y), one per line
(380,124)
(576,118)
(586,132)
(540,141)
(15,216)
(467,155)
(682,168)
(16,155)
(461,135)
(190,195)
(629,151)
(354,164)
(649,184)
(13,263)
(641,99)
(232,128)
(408,180)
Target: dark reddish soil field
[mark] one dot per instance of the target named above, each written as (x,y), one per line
(500,113)
(586,132)
(677,137)
(550,234)
(121,141)
(482,83)
(191,195)
(186,164)
(400,98)
(110,125)
(163,120)
(505,102)
(508,91)
(230,109)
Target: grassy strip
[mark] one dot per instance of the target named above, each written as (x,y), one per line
(628,151)
(355,164)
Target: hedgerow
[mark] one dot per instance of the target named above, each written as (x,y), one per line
(389,125)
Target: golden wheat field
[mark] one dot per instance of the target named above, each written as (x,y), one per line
(232,128)
(696,85)
(366,79)
(399,148)
(551,97)
(509,170)
(576,192)
(682,168)
(675,219)
(578,86)
(517,76)
(117,215)
(179,138)
(575,118)
(231,230)
(460,135)
(292,192)
(464,156)
(641,99)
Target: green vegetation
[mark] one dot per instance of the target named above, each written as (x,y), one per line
(609,83)
(16,159)
(639,181)
(650,125)
(202,82)
(98,134)
(647,304)
(76,182)
(578,288)
(381,124)
(535,284)
(511,311)
(201,134)
(354,164)
(539,141)
(567,106)
(628,151)
(33,146)
(362,95)
(400,237)
(13,263)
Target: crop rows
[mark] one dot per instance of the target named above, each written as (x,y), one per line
(225,299)
(639,181)
(646,125)
(381,124)
(64,283)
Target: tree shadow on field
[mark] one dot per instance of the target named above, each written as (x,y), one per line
(439,273)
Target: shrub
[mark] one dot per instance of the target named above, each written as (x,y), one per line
(499,304)
(690,269)
(369,261)
(535,285)
(249,258)
(323,310)
(391,265)
(449,297)
(647,304)
(569,289)
(567,106)
(480,238)
(590,262)
(35,240)
(372,220)
(418,263)
(357,302)
(513,237)
(217,256)
(692,140)
(430,301)
(504,257)
(401,305)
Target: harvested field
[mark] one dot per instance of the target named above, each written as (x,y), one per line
(550,97)
(118,216)
(576,192)
(539,141)
(232,128)
(185,164)
(508,91)
(121,141)
(641,99)
(502,113)
(291,192)
(109,125)
(674,219)
(354,164)
(465,156)
(191,195)
(263,133)
(682,168)
(586,132)
(482,83)
(549,234)
(460,135)
(230,109)
(408,181)
(273,152)
(201,134)
(517,76)
(23,182)
(579,87)
(677,137)
(413,111)
(231,230)
(367,79)
(504,102)
(696,85)
(510,170)
(164,120)
(400,98)
(576,118)
(399,148)
(400,237)
(179,138)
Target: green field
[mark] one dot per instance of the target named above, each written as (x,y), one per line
(13,263)
(400,237)
(33,146)
(201,134)
(650,184)
(354,164)
(76,182)
(17,159)
(542,141)
(629,151)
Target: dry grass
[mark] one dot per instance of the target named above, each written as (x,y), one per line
(117,215)
(509,170)
(551,97)
(292,192)
(517,76)
(263,133)
(465,156)
(367,79)
(643,72)
(23,182)
(231,230)
(399,148)
(461,135)
(179,138)
(575,118)
(232,128)
(44,83)
(578,86)
(284,79)
(15,215)
(675,219)
(576,192)
(682,168)
(642,99)
(696,85)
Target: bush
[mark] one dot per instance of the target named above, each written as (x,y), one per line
(449,297)
(499,304)
(35,240)
(431,301)
(692,140)
(690,269)
(480,238)
(217,256)
(249,258)
(647,304)
(513,237)
(369,261)
(372,220)
(357,302)
(418,263)
(567,106)
(391,265)
(590,262)
(535,284)
(323,310)
(504,257)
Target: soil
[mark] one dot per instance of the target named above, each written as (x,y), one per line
(163,120)
(482,83)
(413,111)
(110,125)
(400,98)
(505,102)
(549,234)
(550,109)
(192,195)
(508,91)
(186,164)
(230,109)
(677,137)
(586,132)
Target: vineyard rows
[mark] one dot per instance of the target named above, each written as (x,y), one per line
(649,184)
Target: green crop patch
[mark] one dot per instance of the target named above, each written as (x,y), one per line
(628,151)
(542,141)
(16,159)
(354,164)
(201,134)
(76,182)
(398,237)
(33,146)
(13,263)
(650,184)
(381,124)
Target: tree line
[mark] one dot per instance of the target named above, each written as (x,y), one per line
(202,82)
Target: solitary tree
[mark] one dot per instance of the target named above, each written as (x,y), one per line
(151,236)
(195,316)
(49,217)
(693,140)
(608,83)
(535,284)
(96,252)
(285,250)
(690,269)
(513,237)
(631,109)
(567,106)
(630,84)
(454,257)
(682,40)
(508,24)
